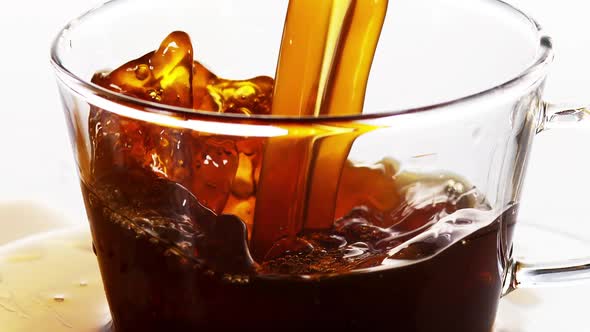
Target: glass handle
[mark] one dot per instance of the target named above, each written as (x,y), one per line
(527,275)
(562,116)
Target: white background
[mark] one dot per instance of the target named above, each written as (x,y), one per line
(35,157)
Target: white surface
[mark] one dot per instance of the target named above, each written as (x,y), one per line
(36,162)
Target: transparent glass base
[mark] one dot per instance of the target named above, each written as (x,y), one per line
(544,309)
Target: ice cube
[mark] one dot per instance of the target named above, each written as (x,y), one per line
(214,165)
(116,141)
(163,76)
(211,93)
(204,164)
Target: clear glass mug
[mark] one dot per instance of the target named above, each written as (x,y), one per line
(454,97)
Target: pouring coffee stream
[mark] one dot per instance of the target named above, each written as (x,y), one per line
(323,69)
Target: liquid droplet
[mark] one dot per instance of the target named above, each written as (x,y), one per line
(142,72)
(59,298)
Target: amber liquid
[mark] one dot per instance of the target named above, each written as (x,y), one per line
(323,69)
(202,231)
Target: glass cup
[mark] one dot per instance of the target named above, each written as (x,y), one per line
(408,221)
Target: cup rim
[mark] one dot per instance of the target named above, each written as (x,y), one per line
(532,74)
